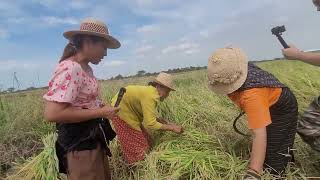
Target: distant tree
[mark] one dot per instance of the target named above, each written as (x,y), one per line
(118,77)
(30,88)
(11,89)
(141,73)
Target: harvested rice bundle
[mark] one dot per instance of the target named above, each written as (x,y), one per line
(44,166)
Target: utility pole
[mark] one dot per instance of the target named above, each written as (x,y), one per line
(1,104)
(38,79)
(15,80)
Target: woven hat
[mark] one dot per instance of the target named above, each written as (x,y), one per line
(227,70)
(90,26)
(165,79)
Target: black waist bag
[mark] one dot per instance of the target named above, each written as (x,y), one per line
(82,136)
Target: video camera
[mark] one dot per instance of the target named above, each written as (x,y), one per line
(277,31)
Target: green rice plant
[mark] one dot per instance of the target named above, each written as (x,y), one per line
(208,149)
(44,166)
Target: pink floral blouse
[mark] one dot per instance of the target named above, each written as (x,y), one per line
(71,84)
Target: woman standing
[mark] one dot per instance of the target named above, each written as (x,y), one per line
(270,106)
(72,103)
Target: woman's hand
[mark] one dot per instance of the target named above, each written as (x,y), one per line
(292,52)
(252,175)
(108,112)
(176,128)
(172,127)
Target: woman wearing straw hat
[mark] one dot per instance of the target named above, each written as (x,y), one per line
(72,103)
(138,113)
(270,106)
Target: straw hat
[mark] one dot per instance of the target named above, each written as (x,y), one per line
(227,70)
(165,79)
(94,27)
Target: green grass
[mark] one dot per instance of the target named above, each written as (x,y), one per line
(209,148)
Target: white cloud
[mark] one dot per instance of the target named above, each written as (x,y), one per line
(6,65)
(114,63)
(281,19)
(78,4)
(204,33)
(4,34)
(47,3)
(10,8)
(126,42)
(52,20)
(144,3)
(147,29)
(43,21)
(144,49)
(16,20)
(186,47)
(192,51)
(151,4)
(184,39)
(67,5)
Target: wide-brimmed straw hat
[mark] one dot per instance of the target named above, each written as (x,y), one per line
(165,80)
(90,26)
(227,70)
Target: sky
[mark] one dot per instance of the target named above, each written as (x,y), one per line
(155,35)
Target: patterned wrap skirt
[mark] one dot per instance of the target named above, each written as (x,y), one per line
(134,144)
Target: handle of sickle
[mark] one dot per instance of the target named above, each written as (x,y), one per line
(120,96)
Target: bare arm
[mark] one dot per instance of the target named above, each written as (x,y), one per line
(259,146)
(164,121)
(307,57)
(311,58)
(161,120)
(64,113)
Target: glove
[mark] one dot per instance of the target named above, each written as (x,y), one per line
(252,175)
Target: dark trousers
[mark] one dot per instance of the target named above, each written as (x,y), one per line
(281,132)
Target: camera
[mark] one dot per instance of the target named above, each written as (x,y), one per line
(278,30)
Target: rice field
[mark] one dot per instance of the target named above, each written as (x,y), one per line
(208,149)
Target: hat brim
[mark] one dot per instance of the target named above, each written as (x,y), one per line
(225,89)
(162,84)
(111,42)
